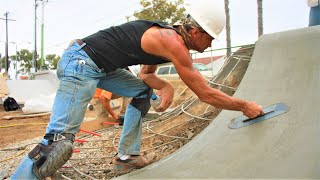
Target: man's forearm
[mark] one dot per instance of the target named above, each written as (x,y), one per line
(153,81)
(166,91)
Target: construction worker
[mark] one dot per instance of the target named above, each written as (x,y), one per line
(314,14)
(101,103)
(96,61)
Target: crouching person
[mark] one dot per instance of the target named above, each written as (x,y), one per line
(96,61)
(79,77)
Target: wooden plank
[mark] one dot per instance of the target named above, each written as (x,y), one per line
(20,116)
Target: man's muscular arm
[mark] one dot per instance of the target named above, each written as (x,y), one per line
(147,74)
(193,79)
(168,44)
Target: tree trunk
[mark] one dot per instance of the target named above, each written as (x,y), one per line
(260,17)
(228,33)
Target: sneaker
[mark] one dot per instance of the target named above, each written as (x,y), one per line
(134,162)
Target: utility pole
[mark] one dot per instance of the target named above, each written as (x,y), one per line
(16,75)
(34,57)
(16,64)
(260,17)
(35,36)
(42,66)
(6,50)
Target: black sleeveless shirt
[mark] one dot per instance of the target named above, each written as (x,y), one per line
(120,46)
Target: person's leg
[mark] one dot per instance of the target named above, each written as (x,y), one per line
(125,103)
(24,170)
(122,82)
(314,16)
(79,77)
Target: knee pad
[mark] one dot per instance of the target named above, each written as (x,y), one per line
(142,104)
(47,159)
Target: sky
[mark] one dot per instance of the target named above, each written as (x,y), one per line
(65,20)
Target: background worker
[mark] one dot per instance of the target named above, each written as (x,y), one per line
(96,61)
(101,104)
(314,15)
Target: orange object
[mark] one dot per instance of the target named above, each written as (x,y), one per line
(106,94)
(97,93)
(76,151)
(81,140)
(89,132)
(24,77)
(66,167)
(100,92)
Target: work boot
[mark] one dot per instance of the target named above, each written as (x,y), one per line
(133,162)
(120,120)
(56,176)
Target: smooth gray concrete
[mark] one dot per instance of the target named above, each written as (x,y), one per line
(285,68)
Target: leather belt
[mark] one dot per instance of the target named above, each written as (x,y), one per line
(90,53)
(86,48)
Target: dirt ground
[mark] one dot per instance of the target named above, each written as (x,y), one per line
(20,129)
(162,135)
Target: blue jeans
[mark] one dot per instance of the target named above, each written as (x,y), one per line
(314,16)
(79,77)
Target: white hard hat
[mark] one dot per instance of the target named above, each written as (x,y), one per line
(209,14)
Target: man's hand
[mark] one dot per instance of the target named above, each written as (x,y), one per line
(252,110)
(166,91)
(166,94)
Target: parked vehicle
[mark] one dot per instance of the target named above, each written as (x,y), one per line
(169,72)
(204,70)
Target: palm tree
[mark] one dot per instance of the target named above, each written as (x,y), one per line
(228,33)
(260,17)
